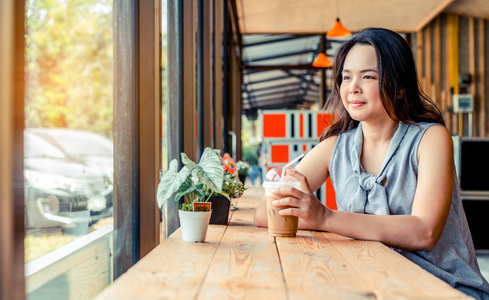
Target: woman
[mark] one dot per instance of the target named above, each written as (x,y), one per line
(390,159)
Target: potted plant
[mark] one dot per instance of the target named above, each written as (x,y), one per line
(194,183)
(221,202)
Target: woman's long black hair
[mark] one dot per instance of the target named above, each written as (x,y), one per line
(398,83)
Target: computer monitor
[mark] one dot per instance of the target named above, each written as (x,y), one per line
(474,164)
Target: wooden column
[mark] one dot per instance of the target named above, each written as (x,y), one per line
(234,112)
(136,134)
(125,150)
(189,91)
(218,64)
(149,134)
(208,72)
(12,285)
(174,129)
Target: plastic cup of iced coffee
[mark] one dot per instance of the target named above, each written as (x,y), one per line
(278,225)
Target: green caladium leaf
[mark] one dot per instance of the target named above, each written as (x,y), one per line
(170,182)
(188,187)
(209,171)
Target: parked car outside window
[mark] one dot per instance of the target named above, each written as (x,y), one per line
(64,170)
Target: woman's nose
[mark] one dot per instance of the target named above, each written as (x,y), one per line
(354,89)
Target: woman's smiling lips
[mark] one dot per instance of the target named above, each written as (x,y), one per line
(356,103)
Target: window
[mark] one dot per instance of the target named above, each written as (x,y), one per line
(68,146)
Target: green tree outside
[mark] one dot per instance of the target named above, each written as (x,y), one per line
(69,65)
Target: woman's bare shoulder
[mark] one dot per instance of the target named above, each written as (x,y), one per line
(435,141)
(328,143)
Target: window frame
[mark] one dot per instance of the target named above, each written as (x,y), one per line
(137,103)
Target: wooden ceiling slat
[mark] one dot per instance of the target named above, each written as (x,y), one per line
(318,16)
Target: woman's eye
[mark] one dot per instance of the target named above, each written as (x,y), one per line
(368,77)
(346,77)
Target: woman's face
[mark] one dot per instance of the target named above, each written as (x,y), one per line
(360,85)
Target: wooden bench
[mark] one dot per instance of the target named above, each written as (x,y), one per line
(241,261)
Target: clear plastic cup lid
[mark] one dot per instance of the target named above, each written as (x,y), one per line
(274,174)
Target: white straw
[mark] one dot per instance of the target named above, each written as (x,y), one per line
(289,164)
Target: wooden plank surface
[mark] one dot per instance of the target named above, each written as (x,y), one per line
(173,270)
(241,261)
(246,265)
(320,265)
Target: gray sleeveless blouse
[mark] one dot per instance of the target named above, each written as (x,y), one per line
(453,258)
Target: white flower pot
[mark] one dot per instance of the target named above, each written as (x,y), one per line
(194,225)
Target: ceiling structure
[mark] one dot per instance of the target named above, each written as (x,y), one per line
(318,16)
(279,34)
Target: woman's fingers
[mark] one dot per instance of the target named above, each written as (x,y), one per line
(287,201)
(288,191)
(299,176)
(291,211)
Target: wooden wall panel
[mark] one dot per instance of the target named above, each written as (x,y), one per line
(437,63)
(420,56)
(472,90)
(482,80)
(447,47)
(429,63)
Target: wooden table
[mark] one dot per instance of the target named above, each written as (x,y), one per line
(241,261)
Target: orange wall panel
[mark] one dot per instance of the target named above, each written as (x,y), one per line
(323,121)
(330,195)
(280,154)
(274,126)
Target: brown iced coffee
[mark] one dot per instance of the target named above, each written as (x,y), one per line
(278,225)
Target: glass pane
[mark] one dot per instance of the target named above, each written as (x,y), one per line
(68,148)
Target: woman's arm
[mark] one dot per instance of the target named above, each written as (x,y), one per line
(315,167)
(419,231)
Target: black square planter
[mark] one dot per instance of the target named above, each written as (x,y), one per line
(220,210)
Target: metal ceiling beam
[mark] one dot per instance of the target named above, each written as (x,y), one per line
(274,100)
(282,92)
(275,87)
(292,104)
(269,79)
(283,39)
(282,55)
(280,67)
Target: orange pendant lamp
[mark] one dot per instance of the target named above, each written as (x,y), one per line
(338,30)
(322,61)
